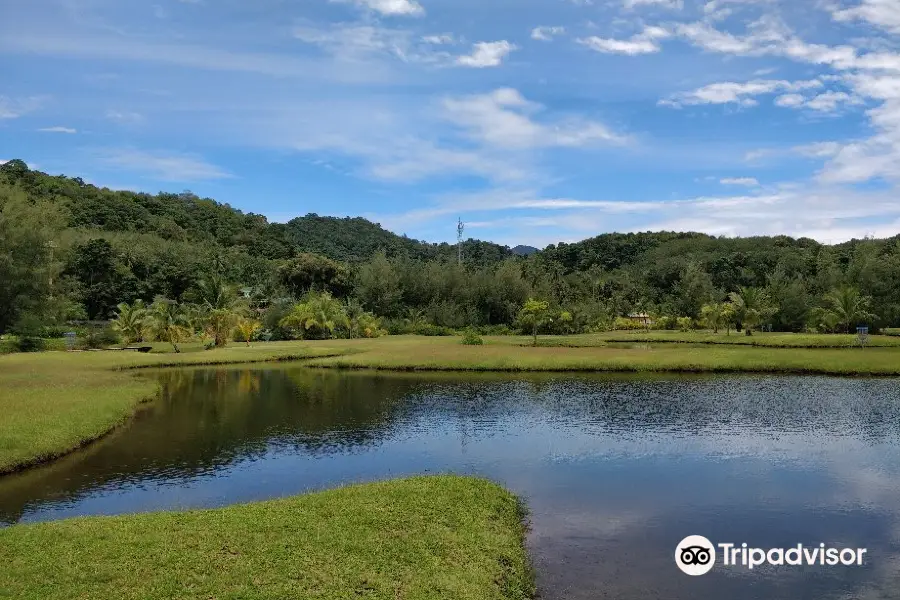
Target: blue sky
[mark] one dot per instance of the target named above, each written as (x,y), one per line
(535,121)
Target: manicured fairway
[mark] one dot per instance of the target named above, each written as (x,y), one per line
(446,537)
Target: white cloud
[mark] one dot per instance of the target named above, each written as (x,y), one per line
(790,100)
(831,101)
(355,41)
(125,117)
(745,181)
(644,42)
(487,54)
(828,214)
(11,108)
(439,40)
(390,7)
(610,46)
(671,4)
(503,118)
(741,94)
(58,130)
(546,33)
(161,166)
(76,44)
(882,13)
(818,149)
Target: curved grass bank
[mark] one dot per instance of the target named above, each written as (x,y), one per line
(52,403)
(423,538)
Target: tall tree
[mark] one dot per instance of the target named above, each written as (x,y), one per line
(534,314)
(222,308)
(131,321)
(753,306)
(378,286)
(849,307)
(29,254)
(168,322)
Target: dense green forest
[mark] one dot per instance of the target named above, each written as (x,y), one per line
(72,251)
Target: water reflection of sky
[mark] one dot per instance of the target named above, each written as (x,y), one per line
(615,470)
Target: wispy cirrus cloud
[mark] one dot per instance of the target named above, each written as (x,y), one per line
(546,33)
(504,118)
(163,166)
(13,108)
(58,129)
(744,181)
(742,94)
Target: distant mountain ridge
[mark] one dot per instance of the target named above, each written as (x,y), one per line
(187,218)
(524,250)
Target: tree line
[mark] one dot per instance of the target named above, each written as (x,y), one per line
(73,252)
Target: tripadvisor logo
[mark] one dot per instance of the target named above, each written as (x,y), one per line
(696,555)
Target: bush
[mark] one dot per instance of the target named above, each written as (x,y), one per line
(433,330)
(495,330)
(56,331)
(29,330)
(891,331)
(100,338)
(471,338)
(667,323)
(685,323)
(625,324)
(29,343)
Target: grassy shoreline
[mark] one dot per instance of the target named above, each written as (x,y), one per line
(419,538)
(55,402)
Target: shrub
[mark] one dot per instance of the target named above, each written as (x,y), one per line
(666,323)
(494,330)
(471,338)
(56,331)
(29,330)
(29,343)
(625,324)
(685,323)
(433,330)
(100,338)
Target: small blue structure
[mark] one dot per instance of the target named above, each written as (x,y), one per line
(862,336)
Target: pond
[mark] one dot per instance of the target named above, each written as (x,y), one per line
(616,470)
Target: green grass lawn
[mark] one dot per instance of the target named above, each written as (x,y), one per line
(53,402)
(775,340)
(423,538)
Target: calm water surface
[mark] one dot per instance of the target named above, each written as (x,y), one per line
(616,469)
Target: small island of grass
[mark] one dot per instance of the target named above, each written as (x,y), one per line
(424,538)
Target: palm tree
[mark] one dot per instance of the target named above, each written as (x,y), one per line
(848,307)
(248,327)
(415,318)
(222,308)
(320,314)
(131,321)
(752,306)
(168,322)
(713,315)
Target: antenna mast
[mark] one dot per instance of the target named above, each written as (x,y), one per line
(460,227)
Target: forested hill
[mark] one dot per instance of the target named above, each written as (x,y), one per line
(89,249)
(186,217)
